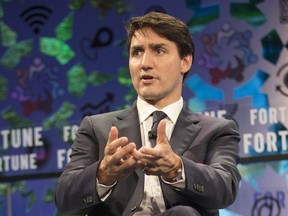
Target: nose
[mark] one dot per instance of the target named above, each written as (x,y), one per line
(146,62)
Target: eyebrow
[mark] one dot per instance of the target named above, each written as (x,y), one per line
(152,46)
(157,45)
(134,47)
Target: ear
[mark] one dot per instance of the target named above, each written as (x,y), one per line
(186,63)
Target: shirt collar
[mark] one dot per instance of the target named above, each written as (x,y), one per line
(172,110)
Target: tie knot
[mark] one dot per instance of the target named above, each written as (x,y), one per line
(158,116)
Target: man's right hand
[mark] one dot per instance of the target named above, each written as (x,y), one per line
(120,159)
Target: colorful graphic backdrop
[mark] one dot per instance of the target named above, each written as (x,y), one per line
(63,60)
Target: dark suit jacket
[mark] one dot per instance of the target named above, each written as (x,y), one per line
(207,146)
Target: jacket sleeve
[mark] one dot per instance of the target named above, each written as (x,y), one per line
(212,177)
(76,190)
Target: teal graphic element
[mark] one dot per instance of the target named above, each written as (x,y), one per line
(203,92)
(251,89)
(272,46)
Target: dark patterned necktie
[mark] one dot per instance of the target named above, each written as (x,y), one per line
(157,117)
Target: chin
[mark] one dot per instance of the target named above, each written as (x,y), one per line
(150,98)
(150,94)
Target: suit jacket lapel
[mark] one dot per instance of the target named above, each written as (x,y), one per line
(128,125)
(185,131)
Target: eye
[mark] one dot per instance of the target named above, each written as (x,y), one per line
(136,52)
(159,51)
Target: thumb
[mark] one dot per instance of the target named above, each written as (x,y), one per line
(161,132)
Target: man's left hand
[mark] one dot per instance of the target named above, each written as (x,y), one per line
(160,160)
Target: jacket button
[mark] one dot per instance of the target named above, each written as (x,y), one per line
(133,208)
(88,199)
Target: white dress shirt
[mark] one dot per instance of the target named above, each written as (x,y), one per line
(152,201)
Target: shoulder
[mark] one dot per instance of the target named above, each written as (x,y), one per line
(108,118)
(108,115)
(209,121)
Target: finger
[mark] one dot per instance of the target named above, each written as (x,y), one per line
(161,132)
(150,162)
(116,145)
(128,165)
(130,162)
(148,153)
(136,154)
(123,153)
(147,159)
(113,135)
(128,149)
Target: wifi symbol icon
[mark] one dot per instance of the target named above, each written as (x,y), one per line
(36,17)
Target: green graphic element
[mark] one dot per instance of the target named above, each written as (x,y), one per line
(49,196)
(103,5)
(125,80)
(3,191)
(130,95)
(77,4)
(57,49)
(97,78)
(1,11)
(78,79)
(59,118)
(64,30)
(20,186)
(14,120)
(3,88)
(248,12)
(202,17)
(8,35)
(124,76)
(15,53)
(106,5)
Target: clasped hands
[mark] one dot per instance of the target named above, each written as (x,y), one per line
(121,158)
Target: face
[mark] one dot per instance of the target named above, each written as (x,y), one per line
(156,68)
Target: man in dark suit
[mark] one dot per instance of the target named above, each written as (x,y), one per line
(121,165)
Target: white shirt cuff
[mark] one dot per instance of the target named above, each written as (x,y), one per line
(104,190)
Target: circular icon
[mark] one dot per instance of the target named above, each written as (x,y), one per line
(266,205)
(103,37)
(282,74)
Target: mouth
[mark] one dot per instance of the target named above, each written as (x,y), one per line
(147,77)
